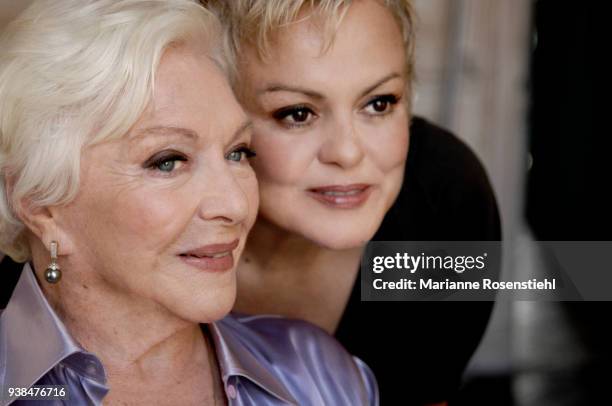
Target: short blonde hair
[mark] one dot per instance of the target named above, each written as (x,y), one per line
(253,22)
(74,73)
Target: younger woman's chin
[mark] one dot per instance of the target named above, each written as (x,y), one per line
(342,242)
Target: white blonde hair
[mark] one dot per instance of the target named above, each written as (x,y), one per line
(253,22)
(74,73)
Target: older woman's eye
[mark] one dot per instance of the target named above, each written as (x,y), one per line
(294,116)
(167,166)
(381,105)
(165,163)
(241,153)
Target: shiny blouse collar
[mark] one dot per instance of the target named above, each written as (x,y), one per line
(33,341)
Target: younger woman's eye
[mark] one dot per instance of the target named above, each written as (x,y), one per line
(166,163)
(381,105)
(294,116)
(241,153)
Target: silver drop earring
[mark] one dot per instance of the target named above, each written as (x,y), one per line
(53,274)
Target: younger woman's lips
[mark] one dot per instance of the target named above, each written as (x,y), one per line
(341,196)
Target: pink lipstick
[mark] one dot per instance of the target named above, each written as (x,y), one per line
(212,258)
(341,196)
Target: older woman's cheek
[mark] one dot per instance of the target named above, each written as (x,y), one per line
(139,218)
(156,220)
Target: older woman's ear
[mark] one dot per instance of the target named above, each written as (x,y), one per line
(42,223)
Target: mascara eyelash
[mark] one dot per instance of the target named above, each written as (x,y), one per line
(248,152)
(287,111)
(158,159)
(389,98)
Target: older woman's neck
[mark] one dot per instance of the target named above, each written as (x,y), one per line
(133,338)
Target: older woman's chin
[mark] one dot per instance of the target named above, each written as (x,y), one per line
(199,298)
(205,308)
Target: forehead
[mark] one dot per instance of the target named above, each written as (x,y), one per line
(368,41)
(186,76)
(191,91)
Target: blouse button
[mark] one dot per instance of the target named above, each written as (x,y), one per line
(91,368)
(231,391)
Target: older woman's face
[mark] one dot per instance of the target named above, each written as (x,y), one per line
(163,213)
(331,128)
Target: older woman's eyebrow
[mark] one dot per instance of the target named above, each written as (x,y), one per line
(380,83)
(170,130)
(245,126)
(165,131)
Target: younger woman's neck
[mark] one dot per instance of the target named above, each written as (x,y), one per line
(271,249)
(281,272)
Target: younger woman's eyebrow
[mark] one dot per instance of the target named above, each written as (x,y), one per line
(315,95)
(380,82)
(293,89)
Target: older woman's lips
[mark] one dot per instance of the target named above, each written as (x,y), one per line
(341,196)
(214,257)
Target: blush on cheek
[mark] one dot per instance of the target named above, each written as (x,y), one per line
(252,194)
(390,149)
(284,156)
(153,218)
(280,161)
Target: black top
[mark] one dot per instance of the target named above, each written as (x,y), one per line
(9,275)
(418,350)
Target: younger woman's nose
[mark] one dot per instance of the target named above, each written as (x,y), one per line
(342,146)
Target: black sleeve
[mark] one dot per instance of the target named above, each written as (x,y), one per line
(419,350)
(446,195)
(9,275)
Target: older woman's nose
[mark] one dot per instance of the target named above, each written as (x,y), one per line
(224,199)
(342,146)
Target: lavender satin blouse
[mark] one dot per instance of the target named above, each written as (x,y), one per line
(264,360)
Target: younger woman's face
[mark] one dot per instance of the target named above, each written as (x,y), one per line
(330,126)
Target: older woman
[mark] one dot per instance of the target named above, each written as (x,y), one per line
(125,184)
(328,86)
